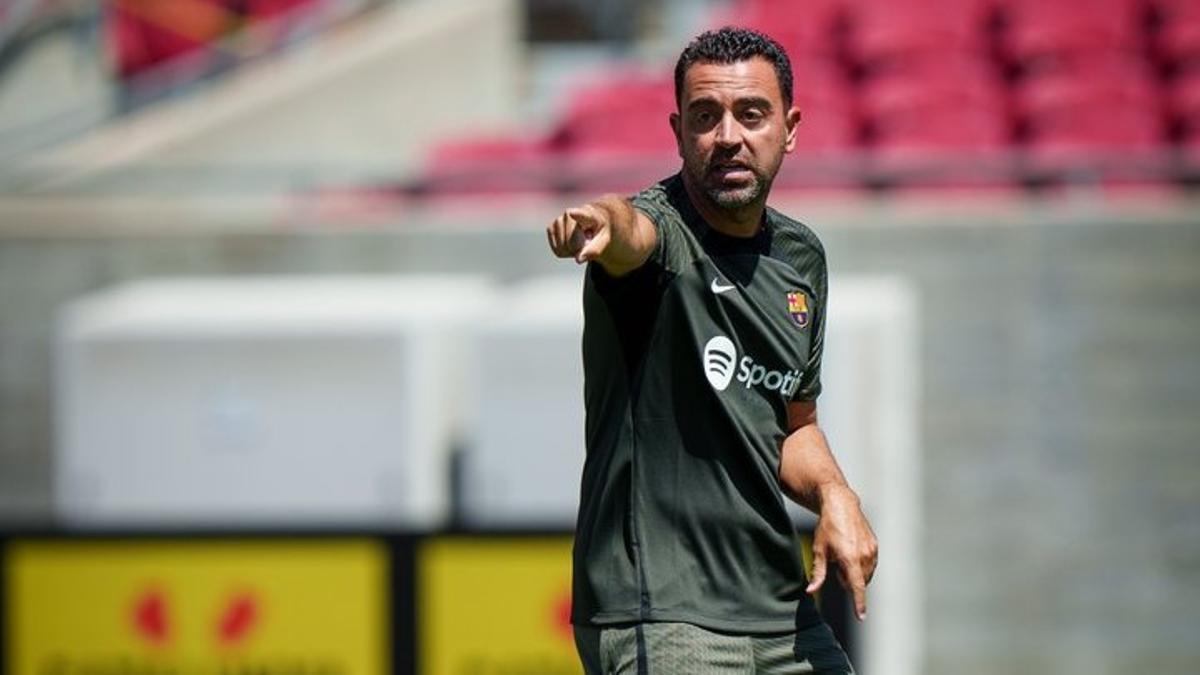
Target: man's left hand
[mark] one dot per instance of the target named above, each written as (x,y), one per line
(844,536)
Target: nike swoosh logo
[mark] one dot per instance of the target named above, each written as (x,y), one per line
(718,288)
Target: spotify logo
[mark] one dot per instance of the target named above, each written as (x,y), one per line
(719,355)
(721,362)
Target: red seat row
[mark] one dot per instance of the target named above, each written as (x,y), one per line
(141,34)
(1022,31)
(922,89)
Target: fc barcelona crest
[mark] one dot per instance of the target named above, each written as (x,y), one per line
(798,307)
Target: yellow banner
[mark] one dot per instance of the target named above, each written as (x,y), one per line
(184,607)
(496,606)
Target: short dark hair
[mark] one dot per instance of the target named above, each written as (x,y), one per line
(731,45)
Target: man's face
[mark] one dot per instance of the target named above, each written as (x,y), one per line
(733,130)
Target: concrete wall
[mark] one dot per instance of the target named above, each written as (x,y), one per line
(1060,371)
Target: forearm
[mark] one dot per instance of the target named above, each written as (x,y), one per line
(808,472)
(633,236)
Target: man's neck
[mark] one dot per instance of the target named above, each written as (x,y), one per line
(740,222)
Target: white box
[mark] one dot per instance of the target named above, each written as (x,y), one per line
(262,401)
(524,456)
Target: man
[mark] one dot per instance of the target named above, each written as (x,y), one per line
(704,321)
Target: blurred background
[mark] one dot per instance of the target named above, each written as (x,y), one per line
(290,383)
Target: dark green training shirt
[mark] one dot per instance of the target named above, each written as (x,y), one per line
(689,364)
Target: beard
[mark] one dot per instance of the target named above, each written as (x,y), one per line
(730,196)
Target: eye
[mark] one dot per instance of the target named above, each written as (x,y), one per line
(753,116)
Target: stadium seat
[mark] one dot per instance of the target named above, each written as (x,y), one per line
(1115,66)
(491,166)
(827,131)
(616,135)
(128,51)
(1178,37)
(270,9)
(922,127)
(144,33)
(1115,72)
(1041,30)
(950,129)
(829,117)
(1075,122)
(881,32)
(624,111)
(619,168)
(803,28)
(1185,112)
(956,85)
(1117,83)
(1082,117)
(1185,98)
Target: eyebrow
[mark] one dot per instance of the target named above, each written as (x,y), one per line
(745,102)
(755,101)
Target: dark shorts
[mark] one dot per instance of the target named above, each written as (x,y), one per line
(684,649)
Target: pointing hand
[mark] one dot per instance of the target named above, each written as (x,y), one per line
(582,233)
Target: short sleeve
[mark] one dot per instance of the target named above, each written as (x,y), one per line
(649,202)
(810,381)
(647,276)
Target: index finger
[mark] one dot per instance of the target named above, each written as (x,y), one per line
(584,214)
(858,590)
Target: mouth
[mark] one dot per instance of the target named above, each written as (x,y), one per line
(732,171)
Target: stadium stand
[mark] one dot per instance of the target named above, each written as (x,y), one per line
(145,33)
(908,33)
(961,109)
(1185,111)
(1048,31)
(1075,121)
(492,165)
(615,134)
(1177,39)
(187,40)
(828,106)
(926,92)
(805,30)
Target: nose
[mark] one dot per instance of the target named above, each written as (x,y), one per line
(728,132)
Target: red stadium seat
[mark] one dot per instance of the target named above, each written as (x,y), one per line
(1185,100)
(148,32)
(1073,121)
(829,117)
(1185,111)
(1039,30)
(1108,65)
(144,33)
(826,132)
(626,112)
(803,28)
(951,130)
(820,81)
(616,133)
(950,84)
(491,165)
(904,30)
(1093,115)
(1105,77)
(129,51)
(1112,82)
(917,118)
(270,9)
(1178,37)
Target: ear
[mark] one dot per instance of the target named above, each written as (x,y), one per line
(675,129)
(792,120)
